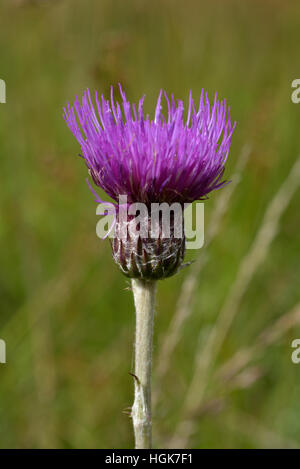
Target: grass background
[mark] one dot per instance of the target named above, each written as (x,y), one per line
(66,314)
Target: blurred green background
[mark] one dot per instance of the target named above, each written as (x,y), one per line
(66,312)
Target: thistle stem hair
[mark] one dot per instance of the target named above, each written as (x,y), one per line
(144,293)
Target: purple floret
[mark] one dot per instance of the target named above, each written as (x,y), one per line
(161,160)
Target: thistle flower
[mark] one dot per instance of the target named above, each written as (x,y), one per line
(169,160)
(165,160)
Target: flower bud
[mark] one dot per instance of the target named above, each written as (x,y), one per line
(148,255)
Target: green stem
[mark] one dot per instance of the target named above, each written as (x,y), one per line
(144,300)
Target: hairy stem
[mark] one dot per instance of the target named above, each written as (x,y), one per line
(144,300)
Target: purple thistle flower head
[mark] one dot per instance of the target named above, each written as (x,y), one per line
(165,160)
(161,160)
